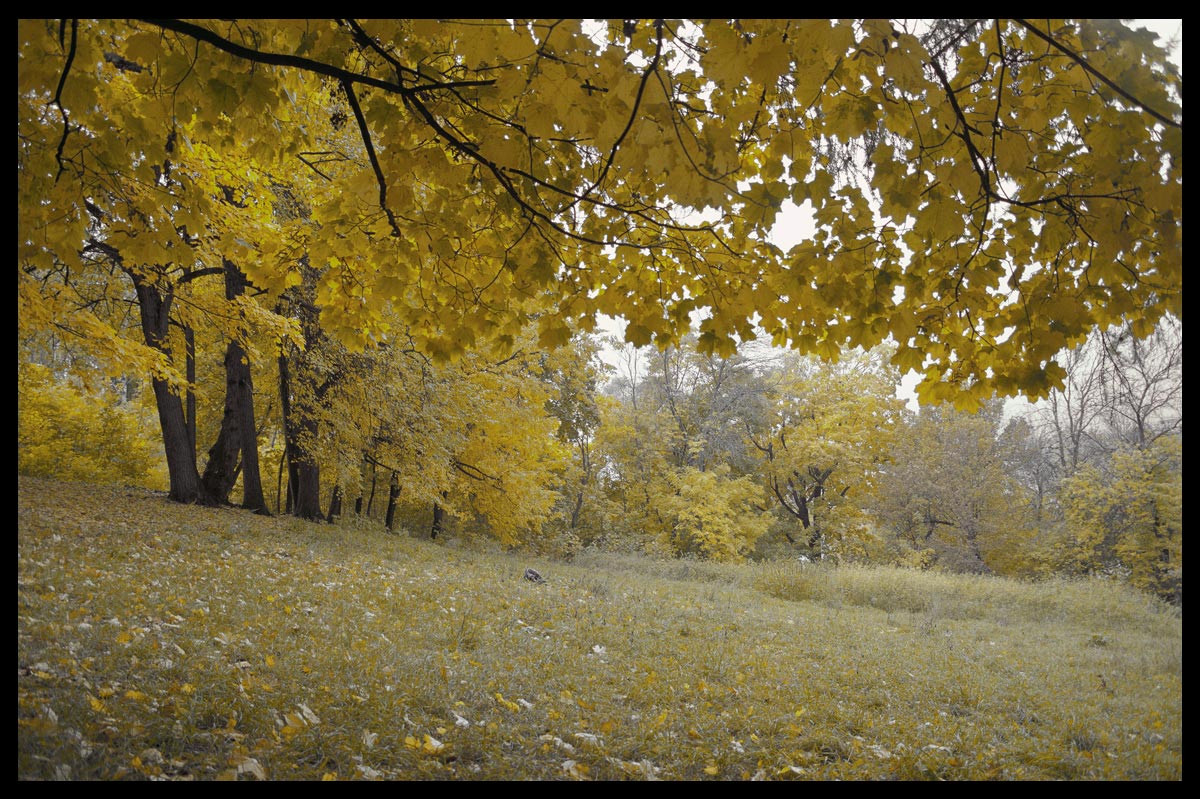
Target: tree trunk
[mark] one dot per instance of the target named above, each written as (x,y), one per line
(335,504)
(304,475)
(300,419)
(189,343)
(585,465)
(220,473)
(439,516)
(186,485)
(238,432)
(371,499)
(393,496)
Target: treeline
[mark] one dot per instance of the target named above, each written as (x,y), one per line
(764,454)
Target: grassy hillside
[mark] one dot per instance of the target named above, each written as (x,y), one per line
(169,642)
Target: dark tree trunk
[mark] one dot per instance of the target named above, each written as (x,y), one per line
(238,432)
(285,409)
(335,504)
(439,519)
(393,496)
(279,485)
(221,471)
(252,490)
(304,475)
(300,420)
(189,343)
(585,463)
(371,499)
(186,486)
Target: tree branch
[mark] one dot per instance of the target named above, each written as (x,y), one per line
(348,87)
(299,62)
(1078,59)
(637,102)
(62,81)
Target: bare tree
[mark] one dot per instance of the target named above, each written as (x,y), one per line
(1143,389)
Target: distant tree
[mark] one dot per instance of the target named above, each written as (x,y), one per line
(947,495)
(1125,517)
(828,431)
(67,432)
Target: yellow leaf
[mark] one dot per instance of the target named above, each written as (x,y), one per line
(513,706)
(712,770)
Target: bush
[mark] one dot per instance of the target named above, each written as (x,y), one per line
(67,433)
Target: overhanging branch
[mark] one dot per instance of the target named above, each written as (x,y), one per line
(1100,76)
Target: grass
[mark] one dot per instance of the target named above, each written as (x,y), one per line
(158,641)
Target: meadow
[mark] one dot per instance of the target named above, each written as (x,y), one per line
(170,642)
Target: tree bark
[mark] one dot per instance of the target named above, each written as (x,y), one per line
(220,473)
(439,518)
(189,343)
(335,504)
(304,475)
(371,499)
(393,496)
(185,484)
(238,431)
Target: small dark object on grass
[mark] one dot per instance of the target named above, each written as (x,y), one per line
(534,576)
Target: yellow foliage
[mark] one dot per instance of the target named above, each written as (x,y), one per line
(1126,515)
(468,175)
(66,433)
(711,514)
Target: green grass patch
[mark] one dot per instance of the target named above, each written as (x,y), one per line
(160,641)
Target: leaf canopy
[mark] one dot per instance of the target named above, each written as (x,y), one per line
(984,192)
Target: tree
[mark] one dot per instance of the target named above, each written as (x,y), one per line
(673,455)
(985,192)
(711,514)
(1115,434)
(573,374)
(1119,391)
(947,494)
(828,432)
(1125,517)
(150,202)
(1144,387)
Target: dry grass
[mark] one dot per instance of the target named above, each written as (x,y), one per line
(169,642)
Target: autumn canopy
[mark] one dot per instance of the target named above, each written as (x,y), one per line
(983,192)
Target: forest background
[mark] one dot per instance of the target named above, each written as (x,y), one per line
(367,261)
